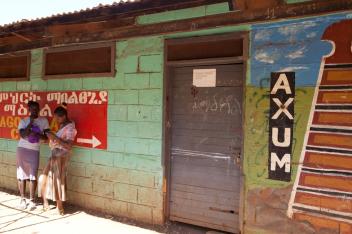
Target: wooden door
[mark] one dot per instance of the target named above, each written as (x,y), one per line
(206,139)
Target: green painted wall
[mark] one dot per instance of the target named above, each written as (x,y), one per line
(257,132)
(187,13)
(296,1)
(125,180)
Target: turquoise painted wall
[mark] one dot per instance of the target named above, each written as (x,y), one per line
(188,13)
(125,179)
(296,1)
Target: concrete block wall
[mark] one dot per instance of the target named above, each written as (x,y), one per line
(125,179)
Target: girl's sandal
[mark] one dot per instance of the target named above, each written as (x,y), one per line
(45,208)
(61,211)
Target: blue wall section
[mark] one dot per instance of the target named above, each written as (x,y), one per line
(290,46)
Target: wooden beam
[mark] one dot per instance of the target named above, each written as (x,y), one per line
(10,40)
(20,36)
(71,29)
(260,4)
(187,25)
(240,4)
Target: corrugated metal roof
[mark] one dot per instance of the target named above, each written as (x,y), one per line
(101,12)
(97,8)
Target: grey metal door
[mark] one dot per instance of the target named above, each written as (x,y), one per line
(206,139)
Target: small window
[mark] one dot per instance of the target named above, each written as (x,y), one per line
(15,66)
(219,46)
(95,60)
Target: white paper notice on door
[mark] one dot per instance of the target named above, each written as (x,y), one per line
(204,77)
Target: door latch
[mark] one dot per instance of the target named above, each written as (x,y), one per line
(238,159)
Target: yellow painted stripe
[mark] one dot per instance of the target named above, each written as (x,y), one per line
(337,97)
(325,223)
(340,119)
(333,203)
(333,140)
(337,75)
(331,161)
(327,182)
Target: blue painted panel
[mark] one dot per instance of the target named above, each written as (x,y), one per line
(293,45)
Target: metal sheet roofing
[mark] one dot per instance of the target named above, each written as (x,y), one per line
(97,8)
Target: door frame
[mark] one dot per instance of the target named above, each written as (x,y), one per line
(167,93)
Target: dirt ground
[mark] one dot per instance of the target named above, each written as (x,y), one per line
(76,220)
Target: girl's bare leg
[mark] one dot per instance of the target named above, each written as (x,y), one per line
(60,207)
(22,189)
(43,186)
(56,180)
(32,188)
(45,204)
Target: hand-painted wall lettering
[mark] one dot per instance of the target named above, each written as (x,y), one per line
(282,93)
(88,109)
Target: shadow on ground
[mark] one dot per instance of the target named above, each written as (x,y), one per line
(76,220)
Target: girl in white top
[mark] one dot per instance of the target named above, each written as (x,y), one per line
(31,131)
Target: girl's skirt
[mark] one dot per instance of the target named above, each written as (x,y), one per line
(52,183)
(27,161)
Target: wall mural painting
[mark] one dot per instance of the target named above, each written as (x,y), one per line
(282,93)
(322,193)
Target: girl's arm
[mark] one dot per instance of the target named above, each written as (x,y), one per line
(24,132)
(44,136)
(67,144)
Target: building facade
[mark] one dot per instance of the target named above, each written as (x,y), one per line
(229,115)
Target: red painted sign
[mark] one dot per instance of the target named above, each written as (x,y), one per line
(88,109)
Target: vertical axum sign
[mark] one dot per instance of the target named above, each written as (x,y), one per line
(282,94)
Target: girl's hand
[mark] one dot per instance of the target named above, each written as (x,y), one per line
(51,136)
